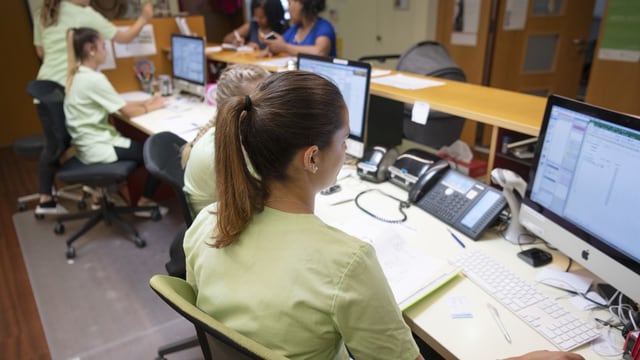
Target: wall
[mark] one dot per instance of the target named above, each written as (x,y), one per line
(374,27)
(19,64)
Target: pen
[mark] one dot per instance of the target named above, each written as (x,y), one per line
(456,238)
(496,318)
(238,37)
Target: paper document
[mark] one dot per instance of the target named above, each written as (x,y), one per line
(379,72)
(142,45)
(406,82)
(411,274)
(279,62)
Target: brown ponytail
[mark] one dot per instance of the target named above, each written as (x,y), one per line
(239,193)
(77,39)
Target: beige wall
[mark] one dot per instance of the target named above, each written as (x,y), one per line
(374,27)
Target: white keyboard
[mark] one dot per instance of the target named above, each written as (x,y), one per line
(542,313)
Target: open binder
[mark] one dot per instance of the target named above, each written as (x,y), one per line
(411,274)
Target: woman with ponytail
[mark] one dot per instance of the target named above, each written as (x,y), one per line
(50,29)
(49,38)
(197,155)
(90,99)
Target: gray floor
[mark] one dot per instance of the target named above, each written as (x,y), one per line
(100,306)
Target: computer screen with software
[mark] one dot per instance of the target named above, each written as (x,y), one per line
(189,64)
(584,197)
(352,78)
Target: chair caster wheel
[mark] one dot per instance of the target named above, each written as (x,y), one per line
(58,228)
(38,216)
(82,205)
(22,206)
(156,215)
(140,242)
(71,253)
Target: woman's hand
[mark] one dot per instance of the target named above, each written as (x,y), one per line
(548,355)
(277,45)
(147,11)
(154,103)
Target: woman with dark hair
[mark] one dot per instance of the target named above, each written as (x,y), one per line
(262,263)
(267,16)
(309,33)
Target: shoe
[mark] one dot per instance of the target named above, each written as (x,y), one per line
(50,208)
(147,213)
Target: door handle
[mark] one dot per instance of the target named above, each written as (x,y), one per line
(580,44)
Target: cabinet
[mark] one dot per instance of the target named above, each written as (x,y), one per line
(504,158)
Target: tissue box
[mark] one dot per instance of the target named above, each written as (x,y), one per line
(475,169)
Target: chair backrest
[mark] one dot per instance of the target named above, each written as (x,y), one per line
(50,107)
(217,341)
(162,159)
(432,59)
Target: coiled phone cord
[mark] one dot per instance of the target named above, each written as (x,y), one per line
(402,204)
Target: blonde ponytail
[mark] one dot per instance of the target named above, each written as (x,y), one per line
(72,62)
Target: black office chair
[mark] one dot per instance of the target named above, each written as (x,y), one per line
(72,171)
(162,160)
(428,58)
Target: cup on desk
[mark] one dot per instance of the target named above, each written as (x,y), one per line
(146,84)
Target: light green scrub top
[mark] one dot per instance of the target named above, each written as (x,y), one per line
(53,39)
(299,287)
(87,106)
(199,174)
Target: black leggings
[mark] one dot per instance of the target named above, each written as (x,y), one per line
(134,152)
(47,169)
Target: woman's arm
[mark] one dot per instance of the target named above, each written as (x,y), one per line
(133,30)
(137,108)
(322,46)
(242,31)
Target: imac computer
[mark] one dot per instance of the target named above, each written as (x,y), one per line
(352,78)
(189,64)
(583,195)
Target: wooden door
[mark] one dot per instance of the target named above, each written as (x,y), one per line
(540,45)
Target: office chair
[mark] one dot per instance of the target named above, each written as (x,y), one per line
(73,171)
(162,153)
(217,341)
(428,58)
(32,147)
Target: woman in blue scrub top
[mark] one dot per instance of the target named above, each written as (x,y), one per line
(309,33)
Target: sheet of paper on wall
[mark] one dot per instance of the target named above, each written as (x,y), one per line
(420,112)
(110,61)
(466,20)
(515,15)
(183,26)
(143,45)
(401,81)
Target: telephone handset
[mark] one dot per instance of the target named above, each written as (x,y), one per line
(428,179)
(466,204)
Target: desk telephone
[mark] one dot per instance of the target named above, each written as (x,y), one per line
(464,203)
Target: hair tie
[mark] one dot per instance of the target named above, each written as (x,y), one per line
(247,103)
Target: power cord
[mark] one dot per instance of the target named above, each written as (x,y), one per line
(402,204)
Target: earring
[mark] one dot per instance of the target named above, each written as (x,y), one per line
(92,54)
(314,168)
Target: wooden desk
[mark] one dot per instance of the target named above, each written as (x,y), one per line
(495,107)
(477,337)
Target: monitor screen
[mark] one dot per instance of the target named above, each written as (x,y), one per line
(189,63)
(352,78)
(583,197)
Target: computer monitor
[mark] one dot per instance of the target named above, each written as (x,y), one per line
(352,78)
(583,195)
(189,64)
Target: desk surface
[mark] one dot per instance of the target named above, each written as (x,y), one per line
(183,116)
(505,109)
(470,338)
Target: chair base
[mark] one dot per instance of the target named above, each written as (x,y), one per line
(108,213)
(179,345)
(68,192)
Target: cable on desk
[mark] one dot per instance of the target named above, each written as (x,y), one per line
(402,204)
